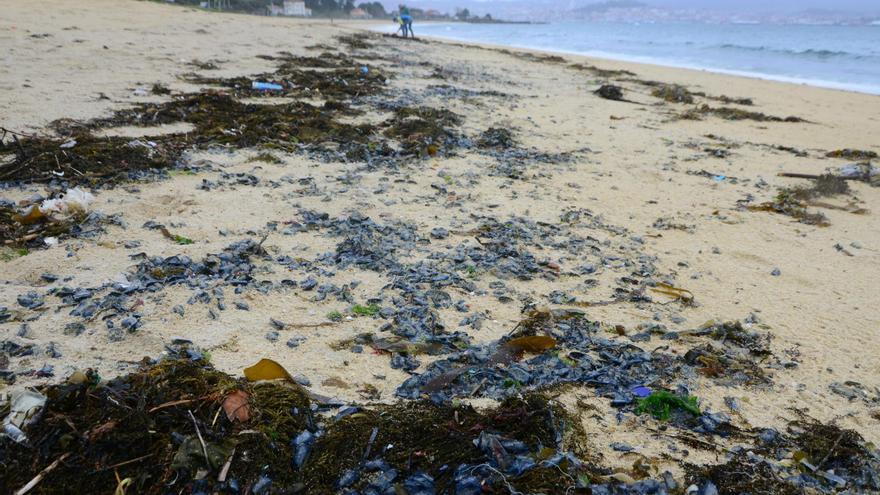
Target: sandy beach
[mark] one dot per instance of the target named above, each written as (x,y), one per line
(610,199)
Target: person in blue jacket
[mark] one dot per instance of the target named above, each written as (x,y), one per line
(406,20)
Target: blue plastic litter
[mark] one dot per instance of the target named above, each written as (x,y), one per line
(641,391)
(265,86)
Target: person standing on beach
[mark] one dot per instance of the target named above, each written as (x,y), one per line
(407,20)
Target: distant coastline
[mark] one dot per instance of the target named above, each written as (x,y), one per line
(819,59)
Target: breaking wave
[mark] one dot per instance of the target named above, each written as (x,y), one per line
(810,52)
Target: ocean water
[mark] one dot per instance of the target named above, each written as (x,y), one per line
(842,57)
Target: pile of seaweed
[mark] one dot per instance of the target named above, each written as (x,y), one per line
(795,201)
(220,119)
(78,156)
(810,457)
(423,131)
(179,426)
(675,93)
(728,113)
(852,154)
(165,427)
(81,158)
(336,83)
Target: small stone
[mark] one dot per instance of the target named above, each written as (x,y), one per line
(272,336)
(621,447)
(280,325)
(776,272)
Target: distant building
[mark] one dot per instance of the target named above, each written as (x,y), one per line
(291,8)
(359,14)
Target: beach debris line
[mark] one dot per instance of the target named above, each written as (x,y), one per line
(729,113)
(852,154)
(197,429)
(795,201)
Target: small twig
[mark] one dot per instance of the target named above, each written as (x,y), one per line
(216,415)
(170,404)
(42,474)
(836,443)
(124,463)
(201,440)
(223,472)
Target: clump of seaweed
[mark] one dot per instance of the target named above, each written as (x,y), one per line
(533,57)
(448,446)
(610,92)
(794,201)
(422,131)
(180,425)
(497,138)
(599,72)
(852,154)
(728,113)
(736,101)
(221,119)
(733,332)
(725,367)
(347,82)
(812,457)
(266,157)
(326,60)
(84,159)
(158,428)
(356,41)
(741,475)
(673,93)
(160,89)
(829,448)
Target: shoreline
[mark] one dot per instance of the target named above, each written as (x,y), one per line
(867,89)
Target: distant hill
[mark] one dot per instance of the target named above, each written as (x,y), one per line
(598,8)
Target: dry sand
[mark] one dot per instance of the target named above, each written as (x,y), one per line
(822,309)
